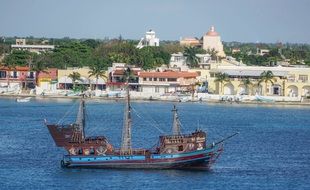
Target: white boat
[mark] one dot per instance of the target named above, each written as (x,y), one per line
(27,99)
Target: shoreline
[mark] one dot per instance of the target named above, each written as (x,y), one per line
(15,96)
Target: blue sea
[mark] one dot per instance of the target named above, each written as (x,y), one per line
(272,150)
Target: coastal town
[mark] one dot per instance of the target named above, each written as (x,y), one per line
(148,95)
(205,75)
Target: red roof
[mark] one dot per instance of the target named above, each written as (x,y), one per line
(121,72)
(17,68)
(212,32)
(169,74)
(51,73)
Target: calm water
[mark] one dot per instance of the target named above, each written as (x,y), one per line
(271,152)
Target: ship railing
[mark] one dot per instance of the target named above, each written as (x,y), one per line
(179,136)
(135,151)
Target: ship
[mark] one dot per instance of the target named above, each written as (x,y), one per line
(173,151)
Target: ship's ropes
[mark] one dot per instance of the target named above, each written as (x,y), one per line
(153,123)
(67,113)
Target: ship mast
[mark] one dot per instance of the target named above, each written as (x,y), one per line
(176,127)
(80,119)
(126,134)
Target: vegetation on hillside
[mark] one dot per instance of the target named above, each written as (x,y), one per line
(84,52)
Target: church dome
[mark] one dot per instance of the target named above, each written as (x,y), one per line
(212,32)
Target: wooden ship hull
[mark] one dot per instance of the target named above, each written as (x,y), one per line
(200,159)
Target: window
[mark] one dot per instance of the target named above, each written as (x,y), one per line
(150,79)
(144,79)
(162,79)
(303,78)
(166,89)
(155,79)
(31,75)
(180,148)
(15,74)
(172,79)
(291,78)
(156,89)
(2,74)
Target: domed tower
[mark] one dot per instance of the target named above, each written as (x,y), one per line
(212,40)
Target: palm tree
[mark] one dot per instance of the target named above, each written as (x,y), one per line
(128,75)
(191,58)
(10,64)
(97,70)
(221,78)
(266,76)
(213,53)
(247,82)
(38,66)
(75,76)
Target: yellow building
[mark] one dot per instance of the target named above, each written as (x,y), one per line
(287,81)
(65,82)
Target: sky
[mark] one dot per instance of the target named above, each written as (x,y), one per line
(235,20)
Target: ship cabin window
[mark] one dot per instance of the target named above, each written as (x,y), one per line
(180,148)
(92,151)
(80,151)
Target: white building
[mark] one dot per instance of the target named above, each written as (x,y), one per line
(166,82)
(149,40)
(212,40)
(21,45)
(178,61)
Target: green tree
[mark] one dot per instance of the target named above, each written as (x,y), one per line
(98,69)
(266,76)
(19,57)
(38,66)
(75,76)
(10,65)
(221,78)
(213,53)
(191,58)
(128,75)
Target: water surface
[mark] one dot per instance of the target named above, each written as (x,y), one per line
(271,152)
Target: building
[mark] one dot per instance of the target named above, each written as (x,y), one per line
(212,40)
(190,42)
(47,81)
(117,77)
(166,82)
(287,81)
(149,40)
(262,52)
(21,45)
(65,82)
(17,78)
(178,61)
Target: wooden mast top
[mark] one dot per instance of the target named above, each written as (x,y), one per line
(176,126)
(80,119)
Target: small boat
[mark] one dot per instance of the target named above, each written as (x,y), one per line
(175,151)
(263,99)
(27,99)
